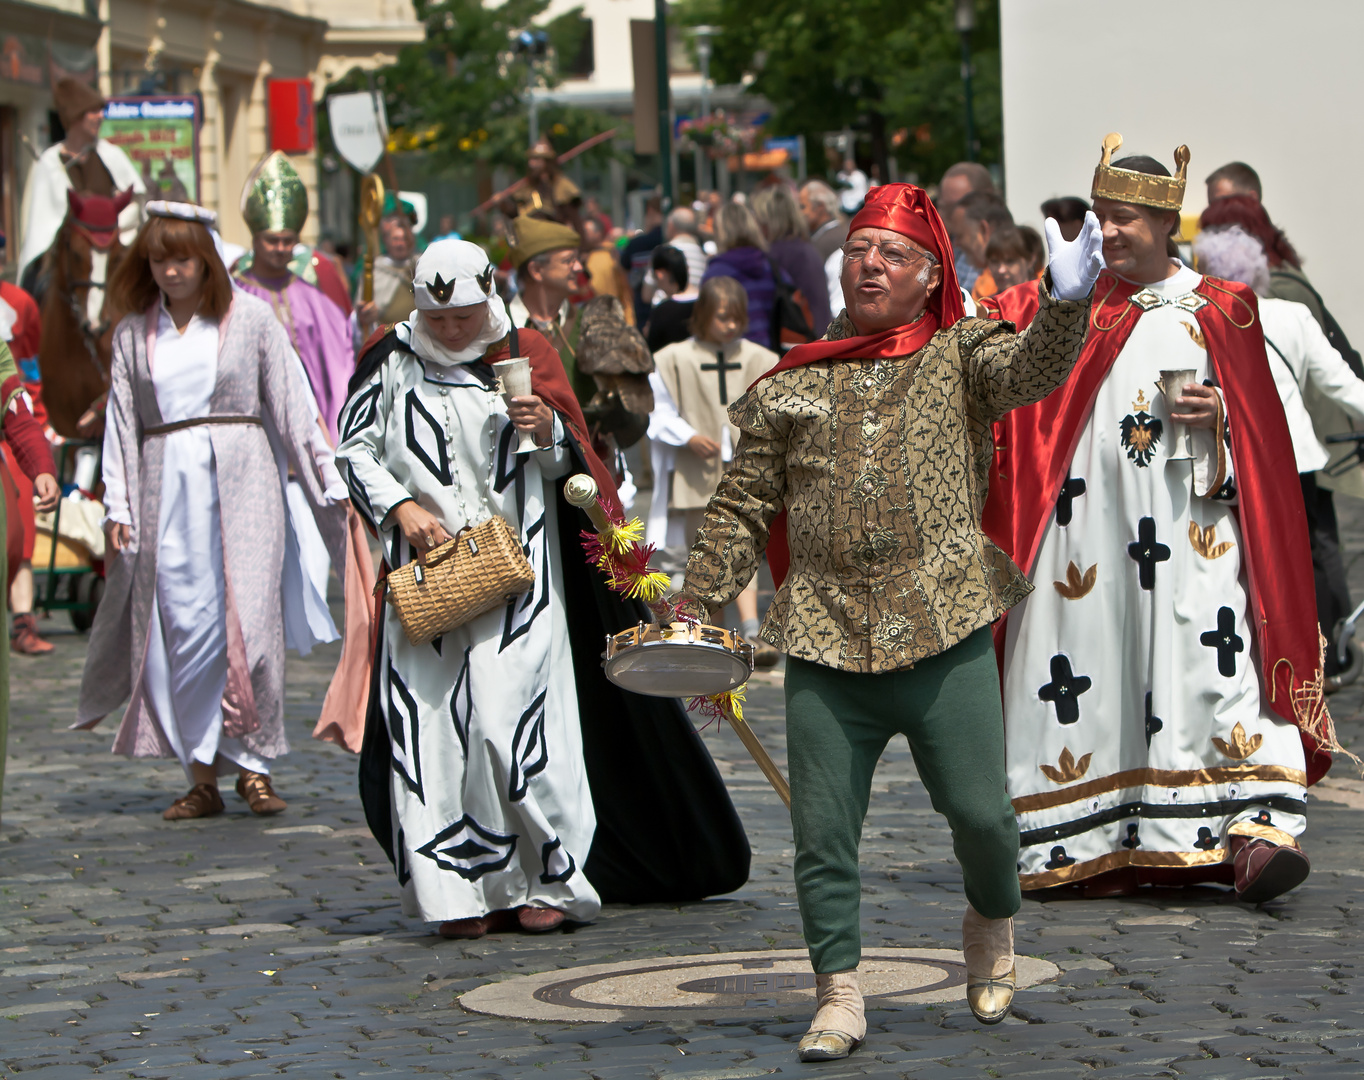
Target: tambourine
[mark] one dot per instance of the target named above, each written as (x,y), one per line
(682,660)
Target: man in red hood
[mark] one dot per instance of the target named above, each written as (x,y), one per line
(861,468)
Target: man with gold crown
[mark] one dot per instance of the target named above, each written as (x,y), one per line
(861,468)
(275,206)
(1163,684)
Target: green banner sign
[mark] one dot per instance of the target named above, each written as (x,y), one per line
(161,136)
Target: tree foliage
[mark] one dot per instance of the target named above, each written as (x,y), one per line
(888,69)
(461,93)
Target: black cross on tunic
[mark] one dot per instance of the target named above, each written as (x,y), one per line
(1147,552)
(1226,641)
(1064,690)
(721,366)
(1071,489)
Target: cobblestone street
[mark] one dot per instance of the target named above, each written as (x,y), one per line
(239,946)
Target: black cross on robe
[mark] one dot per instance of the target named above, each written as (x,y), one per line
(1065,689)
(721,366)
(1153,723)
(1071,489)
(1226,641)
(1147,552)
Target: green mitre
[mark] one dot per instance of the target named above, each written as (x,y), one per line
(274,199)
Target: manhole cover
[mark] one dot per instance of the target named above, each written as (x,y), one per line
(725,985)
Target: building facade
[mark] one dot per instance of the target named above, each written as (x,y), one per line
(224,51)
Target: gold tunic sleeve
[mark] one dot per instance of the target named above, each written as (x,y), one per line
(1006,371)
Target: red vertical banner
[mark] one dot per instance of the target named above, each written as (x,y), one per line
(291,115)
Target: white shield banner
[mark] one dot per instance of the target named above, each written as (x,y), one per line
(359,128)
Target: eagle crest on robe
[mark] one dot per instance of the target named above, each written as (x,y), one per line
(1141,432)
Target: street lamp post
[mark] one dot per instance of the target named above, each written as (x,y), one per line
(703,35)
(534,45)
(665,141)
(966,22)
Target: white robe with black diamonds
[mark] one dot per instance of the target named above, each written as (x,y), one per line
(489,789)
(1136,730)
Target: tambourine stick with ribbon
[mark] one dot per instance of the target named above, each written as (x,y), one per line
(665,660)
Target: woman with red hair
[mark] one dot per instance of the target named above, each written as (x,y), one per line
(191,629)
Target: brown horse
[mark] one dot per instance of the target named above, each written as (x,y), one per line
(78,320)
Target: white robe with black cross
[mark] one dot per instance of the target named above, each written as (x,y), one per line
(1136,729)
(491,807)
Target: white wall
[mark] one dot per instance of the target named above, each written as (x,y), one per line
(1275,83)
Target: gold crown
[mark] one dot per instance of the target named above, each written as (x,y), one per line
(1124,185)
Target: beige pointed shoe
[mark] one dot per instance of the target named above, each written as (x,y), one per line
(991,976)
(840,1023)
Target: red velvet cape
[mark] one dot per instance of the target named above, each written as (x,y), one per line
(1034,447)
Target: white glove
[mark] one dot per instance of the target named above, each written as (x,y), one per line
(1075,265)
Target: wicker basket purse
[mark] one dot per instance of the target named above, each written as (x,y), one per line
(479,569)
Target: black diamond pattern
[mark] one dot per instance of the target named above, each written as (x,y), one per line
(524,610)
(462,704)
(421,423)
(558,863)
(403,728)
(362,410)
(530,755)
(469,849)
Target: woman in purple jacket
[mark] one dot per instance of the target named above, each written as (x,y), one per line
(743,256)
(788,245)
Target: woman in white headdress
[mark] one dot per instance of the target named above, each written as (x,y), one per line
(191,631)
(490,817)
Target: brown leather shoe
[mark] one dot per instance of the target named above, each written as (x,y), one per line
(539,920)
(255,788)
(203,800)
(23,636)
(469,929)
(1265,870)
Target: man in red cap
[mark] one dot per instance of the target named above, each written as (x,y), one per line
(861,469)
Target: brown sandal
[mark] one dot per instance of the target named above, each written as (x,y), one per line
(255,788)
(539,920)
(203,800)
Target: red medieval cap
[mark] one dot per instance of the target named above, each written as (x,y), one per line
(906,209)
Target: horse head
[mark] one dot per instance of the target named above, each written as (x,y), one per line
(96,216)
(77,318)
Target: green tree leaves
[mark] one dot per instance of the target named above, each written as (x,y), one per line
(889,69)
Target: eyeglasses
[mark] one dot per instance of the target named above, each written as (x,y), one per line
(893,255)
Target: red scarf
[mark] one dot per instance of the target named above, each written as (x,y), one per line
(1034,447)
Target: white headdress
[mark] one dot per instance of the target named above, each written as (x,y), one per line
(183,211)
(456,274)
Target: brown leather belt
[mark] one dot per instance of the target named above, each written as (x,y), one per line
(180,425)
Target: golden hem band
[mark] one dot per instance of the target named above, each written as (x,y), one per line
(1115,859)
(1161,778)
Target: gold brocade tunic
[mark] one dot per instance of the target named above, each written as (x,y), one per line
(883,467)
